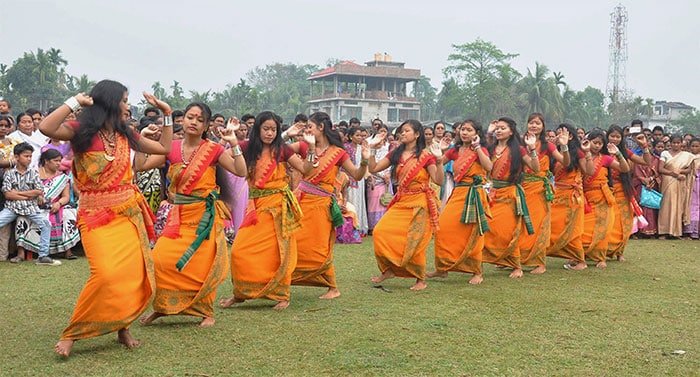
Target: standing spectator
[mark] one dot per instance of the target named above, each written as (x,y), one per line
(356,191)
(694,206)
(27,134)
(675,167)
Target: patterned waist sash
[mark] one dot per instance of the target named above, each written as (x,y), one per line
(520,203)
(577,189)
(291,211)
(431,198)
(474,211)
(548,191)
(335,212)
(203,228)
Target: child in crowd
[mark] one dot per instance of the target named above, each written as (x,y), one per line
(24,193)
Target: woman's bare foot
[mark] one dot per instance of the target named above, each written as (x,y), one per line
(228,302)
(539,270)
(124,337)
(63,347)
(579,266)
(621,259)
(332,293)
(388,274)
(476,279)
(517,273)
(436,274)
(207,322)
(419,286)
(601,264)
(147,319)
(281,305)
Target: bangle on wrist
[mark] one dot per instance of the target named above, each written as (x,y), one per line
(564,147)
(236,150)
(364,162)
(646,150)
(373,151)
(73,104)
(284,135)
(476,146)
(167,113)
(167,120)
(310,156)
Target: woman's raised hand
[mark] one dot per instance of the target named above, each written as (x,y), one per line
(233,124)
(155,102)
(84,99)
(530,141)
(563,136)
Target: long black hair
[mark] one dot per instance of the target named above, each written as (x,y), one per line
(514,143)
(625,178)
(574,146)
(476,126)
(420,144)
(107,96)
(255,144)
(322,119)
(542,137)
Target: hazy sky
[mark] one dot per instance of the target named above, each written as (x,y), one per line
(207,44)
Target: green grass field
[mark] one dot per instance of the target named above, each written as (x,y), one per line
(626,320)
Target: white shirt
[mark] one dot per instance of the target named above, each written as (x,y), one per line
(36,140)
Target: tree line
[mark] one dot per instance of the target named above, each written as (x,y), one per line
(479,83)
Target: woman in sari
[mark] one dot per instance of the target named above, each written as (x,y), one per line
(675,167)
(403,234)
(64,233)
(567,210)
(316,237)
(264,253)
(540,193)
(621,183)
(691,229)
(648,176)
(509,210)
(114,220)
(463,221)
(186,281)
(356,190)
(379,183)
(599,215)
(348,232)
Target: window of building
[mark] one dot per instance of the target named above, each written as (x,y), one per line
(347,112)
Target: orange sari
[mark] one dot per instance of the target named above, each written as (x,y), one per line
(459,242)
(264,253)
(115,223)
(621,229)
(186,284)
(316,237)
(402,235)
(539,192)
(600,217)
(508,214)
(567,213)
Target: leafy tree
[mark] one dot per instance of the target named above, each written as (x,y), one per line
(540,93)
(36,80)
(689,122)
(478,68)
(282,87)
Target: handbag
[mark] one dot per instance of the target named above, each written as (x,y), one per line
(386,197)
(650,198)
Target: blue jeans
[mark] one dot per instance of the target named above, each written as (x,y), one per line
(7,216)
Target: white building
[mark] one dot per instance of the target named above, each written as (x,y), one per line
(666,112)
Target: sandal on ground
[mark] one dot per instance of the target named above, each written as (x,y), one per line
(71,257)
(16,260)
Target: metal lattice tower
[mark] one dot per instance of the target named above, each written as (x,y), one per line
(616,89)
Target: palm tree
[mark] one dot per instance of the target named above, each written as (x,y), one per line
(82,84)
(540,93)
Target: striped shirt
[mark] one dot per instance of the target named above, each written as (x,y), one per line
(15,180)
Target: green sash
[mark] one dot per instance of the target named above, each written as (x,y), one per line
(548,191)
(520,203)
(205,224)
(473,211)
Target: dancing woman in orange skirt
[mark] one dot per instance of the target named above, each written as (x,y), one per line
(463,221)
(402,235)
(115,223)
(191,255)
(599,215)
(264,253)
(508,206)
(322,214)
(567,208)
(540,193)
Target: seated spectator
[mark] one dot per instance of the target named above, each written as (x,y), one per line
(64,232)
(24,193)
